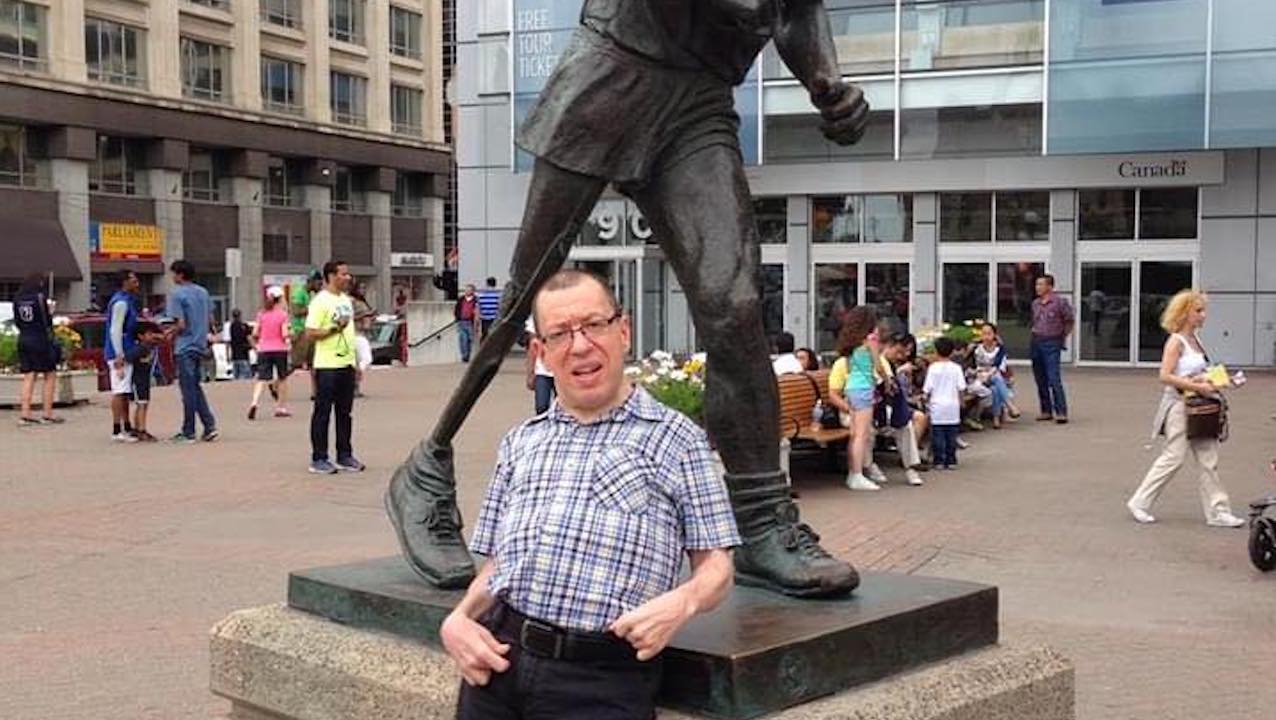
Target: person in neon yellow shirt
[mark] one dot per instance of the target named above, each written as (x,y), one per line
(330,326)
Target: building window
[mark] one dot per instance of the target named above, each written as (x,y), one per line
(281,86)
(771,291)
(1168,213)
(116,169)
(409,195)
(886,291)
(771,215)
(1016,288)
(283,183)
(1146,214)
(405,32)
(16,165)
(345,20)
(836,292)
(1104,333)
(22,35)
(1003,217)
(884,218)
(113,52)
(965,287)
(274,248)
(201,180)
(349,99)
(405,110)
(205,70)
(345,197)
(214,4)
(285,13)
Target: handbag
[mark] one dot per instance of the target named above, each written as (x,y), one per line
(1206,417)
(825,414)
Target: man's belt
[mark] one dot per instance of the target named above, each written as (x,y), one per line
(550,641)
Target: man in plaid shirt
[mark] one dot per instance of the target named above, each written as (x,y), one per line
(584,527)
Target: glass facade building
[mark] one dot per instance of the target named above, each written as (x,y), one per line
(1119,145)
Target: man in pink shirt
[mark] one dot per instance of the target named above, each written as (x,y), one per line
(270,338)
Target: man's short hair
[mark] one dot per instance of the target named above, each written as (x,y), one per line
(330,268)
(491,282)
(784,342)
(236,313)
(146,326)
(1048,278)
(184,269)
(122,277)
(572,277)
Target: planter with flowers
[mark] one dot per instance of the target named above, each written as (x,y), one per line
(678,384)
(75,383)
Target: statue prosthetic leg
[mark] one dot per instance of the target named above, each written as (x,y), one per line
(703,214)
(421,499)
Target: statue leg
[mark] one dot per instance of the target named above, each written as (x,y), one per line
(421,499)
(703,214)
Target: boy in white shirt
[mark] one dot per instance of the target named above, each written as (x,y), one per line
(944,385)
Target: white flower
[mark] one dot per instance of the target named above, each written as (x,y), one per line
(948,326)
(633,372)
(969,323)
(660,356)
(678,375)
(662,371)
(701,357)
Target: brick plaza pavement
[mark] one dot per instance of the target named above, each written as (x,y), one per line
(116,560)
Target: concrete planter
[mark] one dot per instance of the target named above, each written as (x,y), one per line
(74,386)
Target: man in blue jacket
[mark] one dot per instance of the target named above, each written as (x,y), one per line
(121,334)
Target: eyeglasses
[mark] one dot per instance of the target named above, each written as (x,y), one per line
(591,329)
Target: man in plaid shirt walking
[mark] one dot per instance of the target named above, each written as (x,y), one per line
(589,513)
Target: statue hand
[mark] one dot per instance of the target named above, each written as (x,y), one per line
(843,108)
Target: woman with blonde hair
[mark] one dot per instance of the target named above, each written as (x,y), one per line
(1183,366)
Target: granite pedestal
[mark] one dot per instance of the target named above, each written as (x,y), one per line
(365,636)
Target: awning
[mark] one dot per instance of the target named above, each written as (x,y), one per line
(30,245)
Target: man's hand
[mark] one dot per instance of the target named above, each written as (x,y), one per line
(843,108)
(476,651)
(650,626)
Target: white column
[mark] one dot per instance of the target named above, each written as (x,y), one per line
(435,243)
(166,189)
(246,193)
(163,49)
(245,81)
(66,40)
(317,66)
(379,209)
(378,40)
(71,180)
(319,202)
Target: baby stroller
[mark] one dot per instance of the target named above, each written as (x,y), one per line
(1262,532)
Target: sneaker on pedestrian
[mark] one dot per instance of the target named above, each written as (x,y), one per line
(1140,515)
(857,481)
(144,436)
(210,435)
(283,412)
(322,467)
(972,424)
(28,422)
(1226,520)
(350,463)
(1045,417)
(914,478)
(183,439)
(124,437)
(1061,419)
(52,420)
(252,412)
(875,474)
(962,444)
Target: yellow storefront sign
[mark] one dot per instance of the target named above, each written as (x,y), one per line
(125,240)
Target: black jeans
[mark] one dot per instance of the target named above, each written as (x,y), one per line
(538,688)
(333,388)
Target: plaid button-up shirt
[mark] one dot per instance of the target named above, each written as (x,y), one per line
(588,521)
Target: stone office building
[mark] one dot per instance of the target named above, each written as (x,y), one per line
(1128,148)
(292,131)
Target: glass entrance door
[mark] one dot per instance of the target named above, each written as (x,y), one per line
(1113,326)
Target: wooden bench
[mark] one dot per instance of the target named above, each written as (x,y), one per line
(798,394)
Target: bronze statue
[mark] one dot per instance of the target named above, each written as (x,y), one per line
(642,98)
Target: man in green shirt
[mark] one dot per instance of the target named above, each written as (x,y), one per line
(299,305)
(330,328)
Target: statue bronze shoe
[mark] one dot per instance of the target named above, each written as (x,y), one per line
(421,503)
(780,553)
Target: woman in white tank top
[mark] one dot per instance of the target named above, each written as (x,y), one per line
(1183,364)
